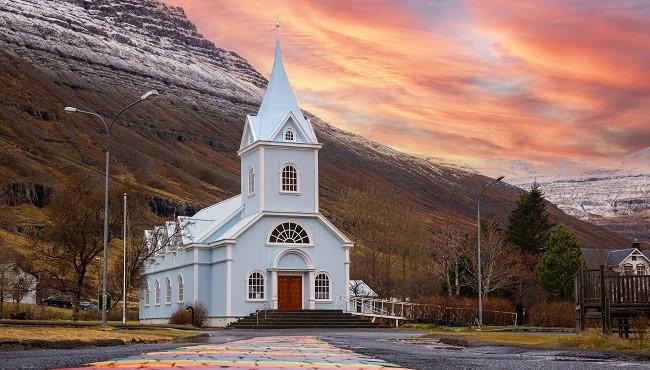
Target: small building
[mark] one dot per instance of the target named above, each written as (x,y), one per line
(267,248)
(629,261)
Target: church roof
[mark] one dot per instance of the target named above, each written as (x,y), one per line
(208,220)
(278,105)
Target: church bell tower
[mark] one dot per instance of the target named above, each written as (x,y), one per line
(279,152)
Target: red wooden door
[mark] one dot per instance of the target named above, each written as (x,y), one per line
(290,292)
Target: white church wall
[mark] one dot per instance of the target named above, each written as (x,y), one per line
(248,160)
(165,308)
(252,252)
(217,282)
(275,158)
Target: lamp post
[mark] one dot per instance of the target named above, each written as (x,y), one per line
(480,277)
(108,128)
(124,268)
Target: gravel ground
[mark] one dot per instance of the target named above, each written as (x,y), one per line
(390,345)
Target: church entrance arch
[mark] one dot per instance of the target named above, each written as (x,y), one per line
(293,274)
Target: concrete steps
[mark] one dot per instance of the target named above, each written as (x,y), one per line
(288,319)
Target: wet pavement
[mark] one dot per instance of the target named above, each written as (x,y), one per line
(398,347)
(273,352)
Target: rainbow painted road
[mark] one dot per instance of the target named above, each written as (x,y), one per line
(269,353)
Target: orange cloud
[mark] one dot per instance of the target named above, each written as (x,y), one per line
(483,83)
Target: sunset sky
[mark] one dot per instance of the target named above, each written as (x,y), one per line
(527,89)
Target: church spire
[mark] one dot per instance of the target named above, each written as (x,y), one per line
(279,117)
(279,98)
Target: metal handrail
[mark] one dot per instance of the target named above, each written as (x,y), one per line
(263,307)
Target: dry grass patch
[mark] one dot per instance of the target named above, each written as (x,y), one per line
(90,334)
(591,339)
(595,339)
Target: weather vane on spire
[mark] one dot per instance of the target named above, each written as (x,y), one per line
(277,25)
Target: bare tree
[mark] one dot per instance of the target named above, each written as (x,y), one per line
(389,232)
(144,245)
(73,239)
(7,264)
(501,263)
(23,283)
(449,246)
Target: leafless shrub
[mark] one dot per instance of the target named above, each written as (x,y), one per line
(552,314)
(181,316)
(639,324)
(200,315)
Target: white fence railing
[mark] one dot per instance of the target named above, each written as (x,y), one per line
(400,311)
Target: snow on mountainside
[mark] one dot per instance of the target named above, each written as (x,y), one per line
(618,199)
(181,147)
(161,42)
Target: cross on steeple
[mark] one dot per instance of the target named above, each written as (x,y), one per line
(277,25)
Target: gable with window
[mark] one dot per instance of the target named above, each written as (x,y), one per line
(289,177)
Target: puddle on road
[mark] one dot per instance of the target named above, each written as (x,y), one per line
(430,343)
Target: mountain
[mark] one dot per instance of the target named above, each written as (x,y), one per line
(179,148)
(616,197)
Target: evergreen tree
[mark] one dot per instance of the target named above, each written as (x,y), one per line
(561,260)
(528,224)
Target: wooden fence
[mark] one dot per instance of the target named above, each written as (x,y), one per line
(622,298)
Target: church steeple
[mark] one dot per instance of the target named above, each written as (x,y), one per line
(279,98)
(279,110)
(279,151)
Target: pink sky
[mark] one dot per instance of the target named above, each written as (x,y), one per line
(548,87)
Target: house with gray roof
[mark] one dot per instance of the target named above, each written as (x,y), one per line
(628,261)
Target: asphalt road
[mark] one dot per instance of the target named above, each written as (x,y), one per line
(390,345)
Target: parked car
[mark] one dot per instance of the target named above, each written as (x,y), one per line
(87,305)
(57,302)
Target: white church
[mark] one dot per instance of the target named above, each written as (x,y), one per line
(267,248)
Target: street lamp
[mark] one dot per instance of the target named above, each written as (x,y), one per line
(108,128)
(480,277)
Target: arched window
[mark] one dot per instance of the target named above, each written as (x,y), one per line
(289,233)
(251,180)
(288,135)
(168,291)
(181,289)
(146,294)
(322,286)
(157,293)
(256,286)
(289,178)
